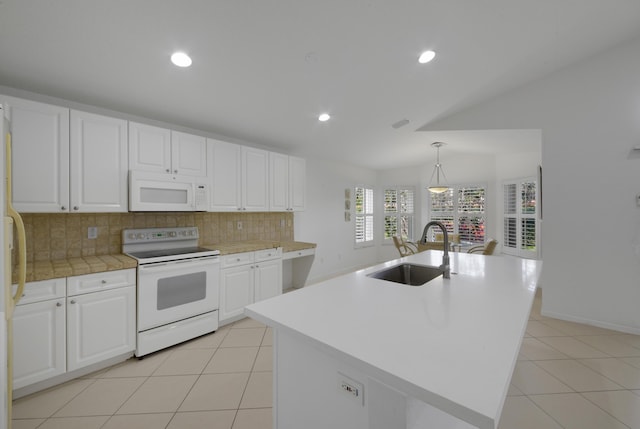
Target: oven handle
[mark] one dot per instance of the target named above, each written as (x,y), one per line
(163,266)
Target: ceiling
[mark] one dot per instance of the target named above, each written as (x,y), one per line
(264,70)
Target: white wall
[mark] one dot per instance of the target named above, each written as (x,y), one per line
(323,220)
(589,115)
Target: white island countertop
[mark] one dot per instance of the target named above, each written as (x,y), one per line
(452,343)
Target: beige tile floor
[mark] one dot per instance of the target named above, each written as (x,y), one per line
(219,381)
(568,375)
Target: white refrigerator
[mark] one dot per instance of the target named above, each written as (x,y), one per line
(11,224)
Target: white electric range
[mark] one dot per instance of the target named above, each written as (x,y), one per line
(177,293)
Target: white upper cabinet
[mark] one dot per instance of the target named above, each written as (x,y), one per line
(255,184)
(238,177)
(287,182)
(297,183)
(224,163)
(278,182)
(98,163)
(149,148)
(165,151)
(188,154)
(66,161)
(40,158)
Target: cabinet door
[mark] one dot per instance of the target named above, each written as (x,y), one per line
(236,290)
(38,342)
(98,167)
(188,154)
(149,148)
(278,182)
(100,326)
(255,184)
(224,164)
(297,183)
(40,158)
(268,279)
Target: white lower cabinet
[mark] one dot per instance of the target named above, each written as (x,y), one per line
(39,333)
(100,325)
(246,278)
(65,324)
(267,280)
(236,291)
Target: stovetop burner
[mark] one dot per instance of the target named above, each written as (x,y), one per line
(168,252)
(150,245)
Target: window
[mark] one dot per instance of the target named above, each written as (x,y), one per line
(461,211)
(520,218)
(364,216)
(398,213)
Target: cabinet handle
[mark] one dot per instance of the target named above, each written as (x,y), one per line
(63,208)
(75,207)
(58,304)
(175,171)
(104,282)
(73,301)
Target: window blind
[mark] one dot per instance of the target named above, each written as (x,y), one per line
(398,209)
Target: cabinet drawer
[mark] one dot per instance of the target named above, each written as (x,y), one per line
(42,290)
(100,281)
(236,259)
(268,254)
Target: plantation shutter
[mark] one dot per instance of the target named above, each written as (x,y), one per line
(520,222)
(364,215)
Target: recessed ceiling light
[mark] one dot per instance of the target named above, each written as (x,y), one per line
(324,117)
(426,56)
(181,59)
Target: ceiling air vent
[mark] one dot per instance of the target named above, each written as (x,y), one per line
(400,123)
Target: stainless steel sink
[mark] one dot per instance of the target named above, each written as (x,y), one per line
(408,274)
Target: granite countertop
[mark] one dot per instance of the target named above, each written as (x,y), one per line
(253,245)
(44,270)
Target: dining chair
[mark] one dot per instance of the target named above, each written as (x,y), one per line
(405,247)
(484,249)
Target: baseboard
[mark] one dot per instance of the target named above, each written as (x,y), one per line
(596,323)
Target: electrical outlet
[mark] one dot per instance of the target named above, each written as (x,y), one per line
(281,223)
(92,232)
(239,225)
(351,388)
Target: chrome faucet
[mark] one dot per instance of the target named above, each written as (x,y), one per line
(445,258)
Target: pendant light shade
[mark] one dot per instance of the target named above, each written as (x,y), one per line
(437,187)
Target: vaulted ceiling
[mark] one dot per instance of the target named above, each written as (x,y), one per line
(263,70)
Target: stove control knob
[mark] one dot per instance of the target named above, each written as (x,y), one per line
(131,236)
(140,236)
(172,234)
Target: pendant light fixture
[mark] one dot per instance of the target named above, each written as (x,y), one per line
(436,187)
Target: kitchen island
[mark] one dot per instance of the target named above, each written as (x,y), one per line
(359,352)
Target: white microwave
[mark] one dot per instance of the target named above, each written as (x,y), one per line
(158,192)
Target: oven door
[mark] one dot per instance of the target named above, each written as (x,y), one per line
(176,290)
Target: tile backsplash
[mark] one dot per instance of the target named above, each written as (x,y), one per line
(53,236)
